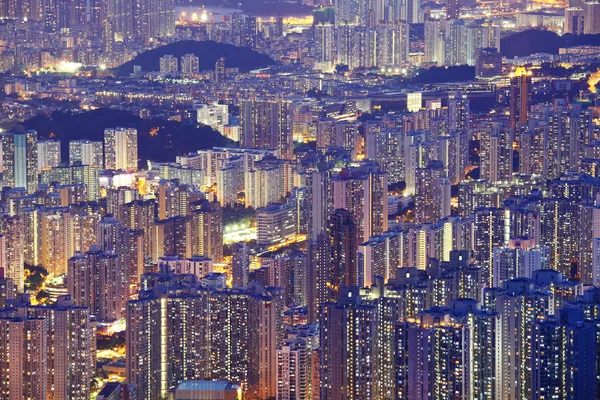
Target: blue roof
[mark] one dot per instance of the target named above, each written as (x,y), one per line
(207,385)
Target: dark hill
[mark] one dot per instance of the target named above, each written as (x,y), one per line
(539,41)
(158,140)
(208,52)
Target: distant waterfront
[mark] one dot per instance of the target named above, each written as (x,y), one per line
(261,10)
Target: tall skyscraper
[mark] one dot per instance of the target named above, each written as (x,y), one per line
(250,32)
(563,355)
(295,367)
(324,38)
(236,330)
(489,233)
(364,194)
(95,280)
(24,371)
(121,149)
(12,242)
(220,74)
(432,193)
(207,230)
(459,125)
(520,92)
(392,44)
(240,264)
(347,338)
(265,333)
(57,241)
(171,238)
(343,243)
(86,152)
(435,355)
(138,20)
(434,42)
(518,306)
(48,154)
(20,160)
(591,18)
(56,351)
(497,152)
(321,205)
(574,21)
(141,215)
(266,124)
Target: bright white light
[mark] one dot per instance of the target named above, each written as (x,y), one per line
(204,17)
(102,67)
(68,66)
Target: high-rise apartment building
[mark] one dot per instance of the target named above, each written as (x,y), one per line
(48,154)
(121,149)
(276,223)
(266,124)
(519,258)
(190,64)
(364,194)
(138,20)
(520,92)
(250,32)
(86,152)
(169,64)
(343,245)
(459,126)
(8,291)
(434,42)
(347,337)
(207,230)
(591,18)
(380,256)
(56,351)
(432,193)
(236,331)
(295,367)
(488,63)
(563,355)
(24,371)
(95,280)
(574,21)
(497,150)
(489,233)
(56,239)
(141,215)
(12,243)
(220,73)
(518,306)
(240,264)
(20,160)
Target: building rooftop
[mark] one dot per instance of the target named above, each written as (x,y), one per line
(207,385)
